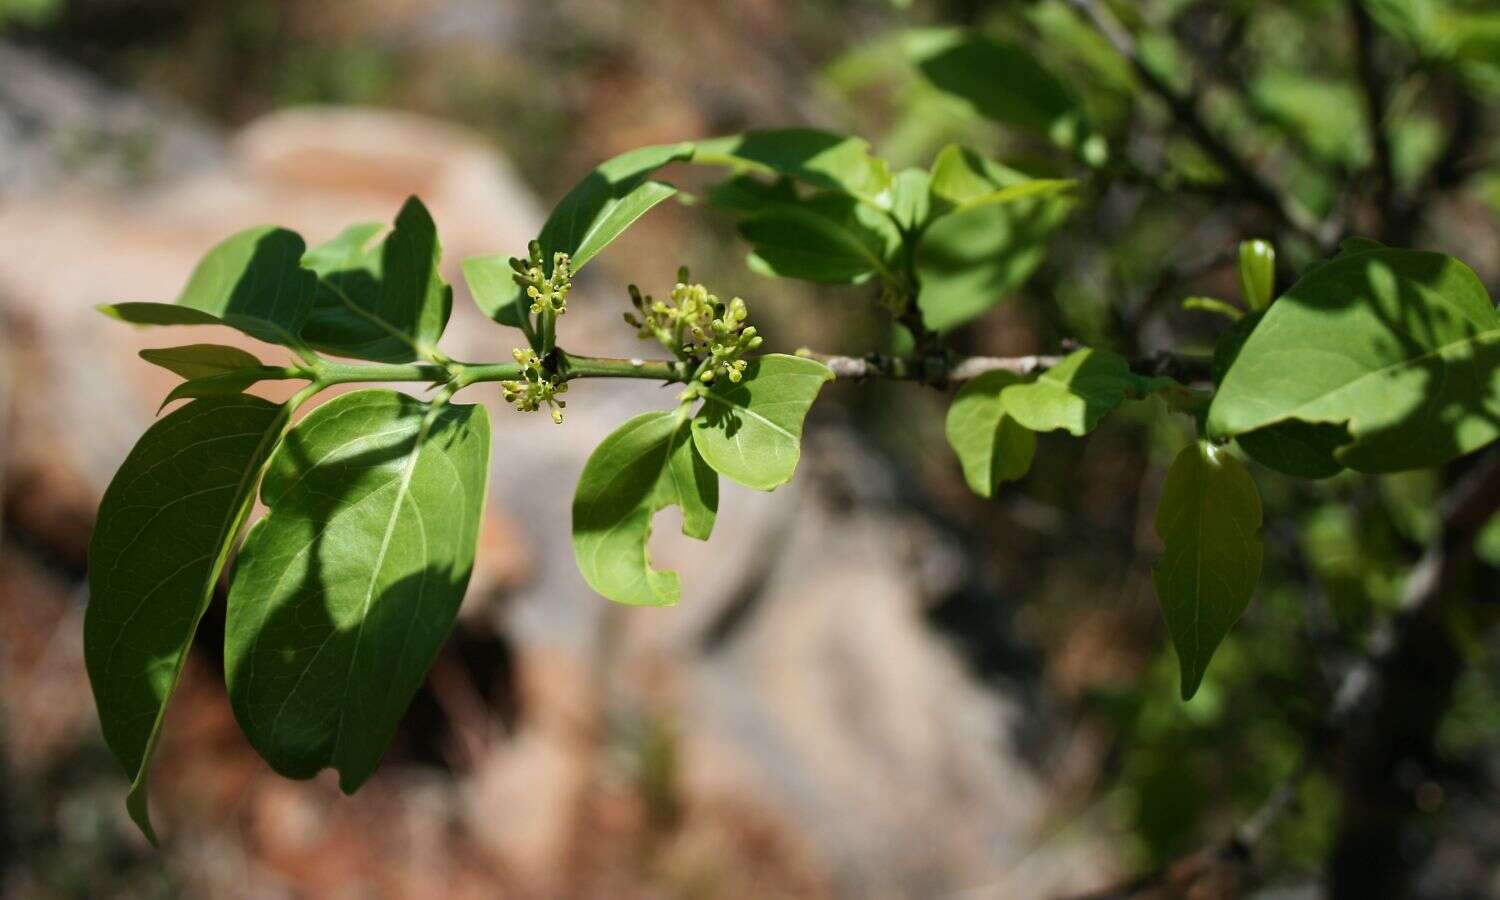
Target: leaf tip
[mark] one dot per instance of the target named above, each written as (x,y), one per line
(136,806)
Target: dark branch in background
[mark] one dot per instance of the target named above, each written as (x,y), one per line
(1407,674)
(1184,109)
(1375,94)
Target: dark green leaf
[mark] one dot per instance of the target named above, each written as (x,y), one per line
(818,158)
(829,238)
(252,281)
(1209,522)
(991,445)
(751,432)
(385,302)
(165,527)
(1000,81)
(492,283)
(986,239)
(646,465)
(345,591)
(606,202)
(1398,347)
(201,360)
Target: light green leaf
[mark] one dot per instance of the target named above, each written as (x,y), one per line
(751,432)
(1213,305)
(910,197)
(1400,348)
(1074,394)
(251,281)
(992,447)
(201,360)
(828,238)
(1257,273)
(165,527)
(385,302)
(646,465)
(1209,521)
(999,81)
(818,158)
(345,591)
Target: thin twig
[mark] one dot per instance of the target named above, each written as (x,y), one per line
(1373,87)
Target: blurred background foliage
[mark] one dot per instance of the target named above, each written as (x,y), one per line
(1055,602)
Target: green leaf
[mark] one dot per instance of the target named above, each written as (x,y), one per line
(251,281)
(1213,305)
(385,302)
(829,238)
(910,197)
(1209,521)
(1257,274)
(345,591)
(986,238)
(1074,394)
(751,432)
(818,158)
(226,385)
(596,211)
(494,288)
(201,360)
(991,445)
(1400,348)
(606,202)
(646,465)
(999,81)
(165,527)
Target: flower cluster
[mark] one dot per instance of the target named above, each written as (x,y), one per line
(695,324)
(546,292)
(535,388)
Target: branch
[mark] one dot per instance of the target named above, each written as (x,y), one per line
(1184,110)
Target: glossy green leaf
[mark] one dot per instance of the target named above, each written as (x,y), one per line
(992,447)
(751,432)
(819,158)
(345,591)
(1397,347)
(829,238)
(201,360)
(1000,81)
(252,281)
(164,530)
(646,465)
(1209,521)
(1075,394)
(385,302)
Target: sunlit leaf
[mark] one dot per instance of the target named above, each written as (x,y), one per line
(992,447)
(344,592)
(751,432)
(1398,347)
(646,465)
